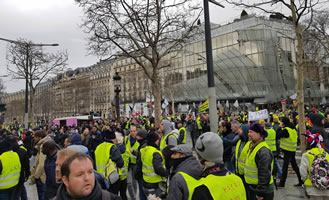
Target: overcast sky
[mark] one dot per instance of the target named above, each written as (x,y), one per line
(57,21)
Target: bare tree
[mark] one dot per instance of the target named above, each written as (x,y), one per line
(297,10)
(143,30)
(28,61)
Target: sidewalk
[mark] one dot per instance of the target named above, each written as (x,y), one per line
(290,192)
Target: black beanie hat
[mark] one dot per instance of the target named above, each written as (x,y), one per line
(109,134)
(258,129)
(152,137)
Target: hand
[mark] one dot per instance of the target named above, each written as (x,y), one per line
(93,136)
(259,198)
(32,180)
(131,150)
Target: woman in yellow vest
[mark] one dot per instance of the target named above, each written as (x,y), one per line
(315,148)
(259,165)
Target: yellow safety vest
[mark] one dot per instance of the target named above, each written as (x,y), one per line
(290,143)
(123,171)
(102,156)
(271,139)
(149,174)
(310,157)
(239,162)
(225,187)
(128,124)
(134,147)
(198,123)
(183,128)
(11,170)
(163,142)
(191,184)
(250,168)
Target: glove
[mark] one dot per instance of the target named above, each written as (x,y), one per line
(32,180)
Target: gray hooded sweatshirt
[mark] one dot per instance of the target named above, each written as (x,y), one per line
(168,129)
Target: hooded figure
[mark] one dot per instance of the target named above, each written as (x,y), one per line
(167,127)
(318,127)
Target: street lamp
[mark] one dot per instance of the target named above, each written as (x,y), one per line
(27,46)
(210,68)
(117,90)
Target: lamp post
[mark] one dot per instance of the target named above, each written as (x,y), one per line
(117,90)
(210,68)
(26,73)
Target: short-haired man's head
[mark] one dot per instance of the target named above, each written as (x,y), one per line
(61,157)
(78,175)
(65,169)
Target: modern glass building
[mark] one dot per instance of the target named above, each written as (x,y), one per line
(253,62)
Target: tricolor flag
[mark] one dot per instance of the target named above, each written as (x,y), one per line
(204,106)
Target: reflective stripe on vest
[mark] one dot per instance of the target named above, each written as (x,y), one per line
(11,169)
(225,187)
(134,147)
(102,156)
(271,139)
(250,168)
(290,143)
(240,161)
(123,172)
(149,174)
(310,157)
(184,132)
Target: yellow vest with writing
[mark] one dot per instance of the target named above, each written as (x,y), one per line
(225,187)
(149,174)
(239,162)
(250,168)
(11,169)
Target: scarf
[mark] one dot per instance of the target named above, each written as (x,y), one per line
(62,193)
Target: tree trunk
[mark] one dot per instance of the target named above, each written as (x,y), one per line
(300,78)
(156,90)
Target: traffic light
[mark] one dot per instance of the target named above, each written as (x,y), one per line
(2,107)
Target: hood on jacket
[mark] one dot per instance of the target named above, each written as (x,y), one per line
(76,139)
(245,130)
(167,125)
(190,166)
(316,120)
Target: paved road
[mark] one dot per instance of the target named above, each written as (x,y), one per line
(290,192)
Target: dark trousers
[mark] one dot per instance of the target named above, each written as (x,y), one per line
(142,195)
(289,157)
(252,195)
(41,189)
(194,136)
(20,192)
(119,186)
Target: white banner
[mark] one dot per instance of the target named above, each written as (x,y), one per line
(255,116)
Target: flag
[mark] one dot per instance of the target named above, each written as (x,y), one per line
(204,106)
(236,104)
(220,109)
(165,104)
(227,104)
